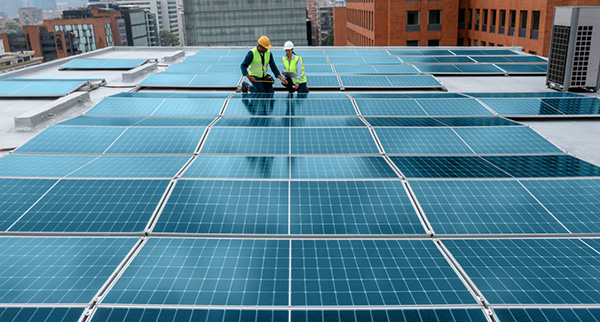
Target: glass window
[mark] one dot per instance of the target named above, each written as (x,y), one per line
(433,42)
(435,17)
(493,22)
(412,18)
(412,43)
(502,18)
(485,16)
(513,18)
(523,19)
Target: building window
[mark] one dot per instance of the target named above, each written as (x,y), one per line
(502,21)
(412,21)
(477,17)
(460,41)
(469,42)
(470,19)
(493,22)
(435,20)
(533,52)
(412,43)
(535,27)
(476,42)
(491,44)
(483,43)
(512,22)
(523,25)
(433,42)
(461,18)
(485,20)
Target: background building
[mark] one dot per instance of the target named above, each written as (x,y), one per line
(30,16)
(239,22)
(450,23)
(42,43)
(40,4)
(325,22)
(137,31)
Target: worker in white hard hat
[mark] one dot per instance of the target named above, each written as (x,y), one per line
(294,70)
(256,65)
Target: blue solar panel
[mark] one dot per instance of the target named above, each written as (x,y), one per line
(468,52)
(483,207)
(178,315)
(527,59)
(453,59)
(201,60)
(340,53)
(530,271)
(372,52)
(403,121)
(23,165)
(313,61)
(325,122)
(354,68)
(57,270)
(322,107)
(352,208)
(434,52)
(72,139)
(333,141)
(395,69)
(340,168)
(365,81)
(103,63)
(190,107)
(323,81)
(247,140)
(40,314)
(94,206)
(311,69)
(309,53)
(242,52)
(17,195)
(575,203)
(419,59)
(43,88)
(478,69)
(347,60)
(477,121)
(500,52)
(176,121)
(521,69)
(215,81)
(253,122)
(431,140)
(226,207)
(417,81)
(126,106)
(167,80)
(423,315)
(439,69)
(548,315)
(132,166)
(519,106)
(218,272)
(575,106)
(491,59)
(223,69)
(158,140)
(458,106)
(187,69)
(242,167)
(405,52)
(381,60)
(446,167)
(212,52)
(435,95)
(504,140)
(258,107)
(373,272)
(102,121)
(539,166)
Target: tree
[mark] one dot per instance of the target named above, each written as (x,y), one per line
(11,27)
(328,41)
(168,38)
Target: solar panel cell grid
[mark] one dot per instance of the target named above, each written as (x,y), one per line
(126,106)
(40,314)
(436,315)
(333,141)
(505,140)
(450,107)
(388,107)
(532,166)
(547,315)
(85,120)
(519,106)
(447,167)
(22,165)
(247,140)
(187,315)
(336,167)
(421,141)
(326,122)
(158,140)
(18,195)
(132,166)
(72,139)
(222,166)
(189,107)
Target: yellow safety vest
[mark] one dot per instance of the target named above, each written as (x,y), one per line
(256,68)
(290,66)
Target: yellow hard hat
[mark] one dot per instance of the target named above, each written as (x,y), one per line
(265,42)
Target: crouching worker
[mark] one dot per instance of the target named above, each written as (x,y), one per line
(294,70)
(255,67)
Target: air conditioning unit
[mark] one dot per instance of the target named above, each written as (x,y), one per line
(574,60)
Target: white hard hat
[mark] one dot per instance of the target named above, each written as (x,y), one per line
(288,45)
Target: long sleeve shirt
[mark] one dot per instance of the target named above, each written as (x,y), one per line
(298,72)
(248,60)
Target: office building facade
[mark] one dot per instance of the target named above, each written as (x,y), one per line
(242,22)
(30,16)
(43,43)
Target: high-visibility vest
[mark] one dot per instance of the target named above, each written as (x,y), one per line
(290,66)
(256,68)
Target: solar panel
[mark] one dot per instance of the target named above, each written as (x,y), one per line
(491,59)
(226,207)
(483,207)
(467,52)
(340,53)
(313,60)
(404,52)
(446,167)
(322,107)
(201,60)
(309,53)
(435,95)
(213,81)
(40,314)
(430,140)
(258,107)
(223,69)
(167,80)
(381,60)
(158,140)
(435,52)
(132,166)
(241,52)
(17,195)
(105,64)
(332,141)
(94,206)
(521,69)
(212,52)
(72,139)
(354,68)
(575,106)
(10,87)
(176,121)
(453,59)
(198,315)
(519,106)
(540,166)
(204,95)
(574,202)
(501,52)
(347,60)
(236,60)
(126,106)
(240,167)
(352,208)
(58,270)
(422,315)
(323,81)
(252,122)
(373,272)
(395,69)
(365,81)
(23,165)
(458,106)
(338,167)
(439,69)
(247,140)
(326,122)
(187,69)
(478,68)
(476,121)
(552,94)
(417,81)
(530,271)
(527,59)
(372,52)
(402,121)
(419,60)
(218,272)
(547,315)
(309,69)
(85,120)
(189,107)
(505,140)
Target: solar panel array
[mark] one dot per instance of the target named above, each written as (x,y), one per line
(102,64)
(23,87)
(327,207)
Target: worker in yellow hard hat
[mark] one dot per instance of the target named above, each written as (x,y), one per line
(256,65)
(294,70)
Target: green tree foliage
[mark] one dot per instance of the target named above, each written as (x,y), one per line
(168,39)
(11,27)
(328,41)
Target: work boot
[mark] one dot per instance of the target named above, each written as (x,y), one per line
(245,87)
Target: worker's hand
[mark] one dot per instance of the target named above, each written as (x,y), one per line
(296,86)
(251,79)
(283,81)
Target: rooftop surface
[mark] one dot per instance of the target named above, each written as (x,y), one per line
(477,202)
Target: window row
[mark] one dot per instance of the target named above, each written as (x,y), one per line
(434,21)
(487,21)
(357,39)
(361,18)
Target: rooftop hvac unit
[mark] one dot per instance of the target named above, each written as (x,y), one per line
(574,60)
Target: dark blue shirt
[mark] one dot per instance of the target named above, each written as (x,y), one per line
(248,60)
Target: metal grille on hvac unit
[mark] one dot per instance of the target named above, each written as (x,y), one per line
(558,54)
(582,55)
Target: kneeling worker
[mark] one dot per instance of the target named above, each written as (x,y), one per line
(256,65)
(294,69)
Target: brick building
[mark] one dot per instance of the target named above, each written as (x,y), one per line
(30,16)
(450,23)
(45,44)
